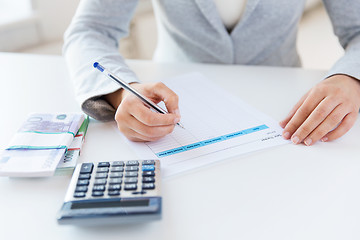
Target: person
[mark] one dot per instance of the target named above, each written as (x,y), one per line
(251,32)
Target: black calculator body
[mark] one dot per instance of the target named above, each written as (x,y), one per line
(113,193)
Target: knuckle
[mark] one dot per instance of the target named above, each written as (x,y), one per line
(159,85)
(304,111)
(291,126)
(174,98)
(305,130)
(149,132)
(321,89)
(335,118)
(321,113)
(320,133)
(147,119)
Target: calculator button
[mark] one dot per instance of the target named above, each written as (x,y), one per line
(131,180)
(114,193)
(148,167)
(99,188)
(79,194)
(102,169)
(148,162)
(132,163)
(114,187)
(141,192)
(117,164)
(84,176)
(148,180)
(101,175)
(148,186)
(130,186)
(131,174)
(86,168)
(97,194)
(131,169)
(83,182)
(100,181)
(117,169)
(116,175)
(115,181)
(148,174)
(103,164)
(81,189)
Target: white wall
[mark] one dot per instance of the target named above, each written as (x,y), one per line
(45,23)
(53,17)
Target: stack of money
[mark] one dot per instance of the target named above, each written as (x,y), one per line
(39,145)
(67,165)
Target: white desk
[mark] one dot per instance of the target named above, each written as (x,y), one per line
(287,192)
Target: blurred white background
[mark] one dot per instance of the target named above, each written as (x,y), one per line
(37,26)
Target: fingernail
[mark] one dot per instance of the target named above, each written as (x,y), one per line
(176,120)
(308,142)
(177,112)
(286,135)
(324,139)
(295,139)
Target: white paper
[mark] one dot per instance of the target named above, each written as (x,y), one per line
(25,140)
(217,125)
(30,163)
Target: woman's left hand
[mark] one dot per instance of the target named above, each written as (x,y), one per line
(325,113)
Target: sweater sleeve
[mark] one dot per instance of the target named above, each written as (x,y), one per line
(345,18)
(93,36)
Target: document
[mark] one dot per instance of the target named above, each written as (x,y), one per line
(217,125)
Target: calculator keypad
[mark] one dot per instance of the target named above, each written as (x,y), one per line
(117,178)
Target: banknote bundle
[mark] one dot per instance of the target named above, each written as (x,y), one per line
(40,144)
(68,163)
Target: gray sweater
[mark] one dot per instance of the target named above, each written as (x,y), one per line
(192,30)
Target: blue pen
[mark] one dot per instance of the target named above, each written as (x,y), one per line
(127,87)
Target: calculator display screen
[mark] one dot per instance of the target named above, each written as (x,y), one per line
(111,204)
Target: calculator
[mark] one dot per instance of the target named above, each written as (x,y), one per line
(113,193)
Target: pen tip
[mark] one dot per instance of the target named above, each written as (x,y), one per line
(180,125)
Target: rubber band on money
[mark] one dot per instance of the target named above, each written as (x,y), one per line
(49,132)
(18,147)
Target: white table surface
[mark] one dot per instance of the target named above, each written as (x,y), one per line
(287,192)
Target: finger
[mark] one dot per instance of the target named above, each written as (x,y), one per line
(143,114)
(293,111)
(329,123)
(346,124)
(145,130)
(135,136)
(300,115)
(323,115)
(162,93)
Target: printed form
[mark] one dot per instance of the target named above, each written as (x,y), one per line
(217,125)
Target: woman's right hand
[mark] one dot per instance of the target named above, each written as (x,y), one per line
(139,123)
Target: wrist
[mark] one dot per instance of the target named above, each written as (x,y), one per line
(115,98)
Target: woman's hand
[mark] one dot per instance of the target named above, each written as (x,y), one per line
(136,121)
(325,113)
